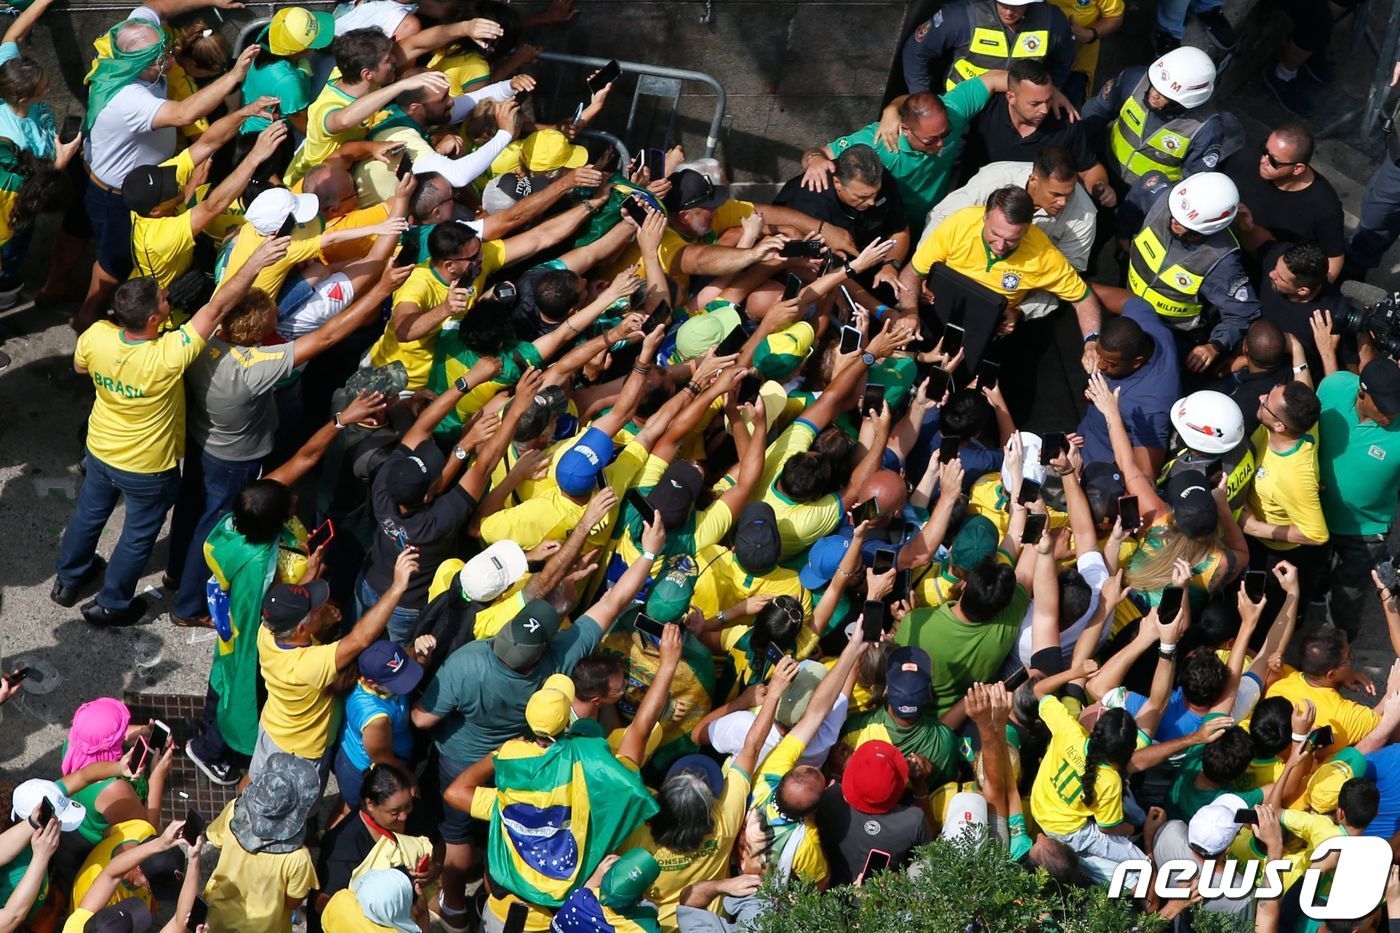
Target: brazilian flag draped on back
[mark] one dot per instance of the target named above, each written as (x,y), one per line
(558,812)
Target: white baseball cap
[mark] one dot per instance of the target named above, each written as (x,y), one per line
(965,810)
(26,800)
(1213,827)
(270,209)
(493,571)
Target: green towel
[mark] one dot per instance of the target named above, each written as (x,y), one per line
(110,75)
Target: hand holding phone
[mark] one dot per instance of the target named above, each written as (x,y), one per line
(948,448)
(873,399)
(952,339)
(883,562)
(1321,737)
(605,76)
(1029,492)
(160,736)
(1247,817)
(1170,606)
(72,126)
(872,621)
(323,535)
(749,388)
(1035,527)
(1051,446)
(1254,584)
(635,209)
(1129,513)
(46,812)
(792,285)
(194,827)
(851,338)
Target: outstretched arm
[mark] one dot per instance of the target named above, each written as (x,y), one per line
(366,407)
(208,317)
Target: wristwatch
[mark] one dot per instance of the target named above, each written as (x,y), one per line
(1092,337)
(461,385)
(868,358)
(459,453)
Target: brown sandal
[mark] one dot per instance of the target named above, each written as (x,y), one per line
(195,622)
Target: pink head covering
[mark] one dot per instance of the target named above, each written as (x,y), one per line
(99,729)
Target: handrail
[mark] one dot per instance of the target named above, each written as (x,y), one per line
(660,71)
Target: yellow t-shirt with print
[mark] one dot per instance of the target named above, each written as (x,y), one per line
(1087,13)
(249,891)
(320,142)
(163,247)
(426,289)
(138,419)
(709,861)
(1057,800)
(1284,491)
(1035,264)
(119,836)
(489,619)
(300,713)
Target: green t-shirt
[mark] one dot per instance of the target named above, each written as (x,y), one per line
(963,653)
(922,179)
(1185,798)
(1358,462)
(926,736)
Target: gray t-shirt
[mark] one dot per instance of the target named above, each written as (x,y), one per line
(232,414)
(1172,843)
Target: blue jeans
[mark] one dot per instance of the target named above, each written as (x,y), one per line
(206,493)
(111,222)
(148,497)
(400,620)
(1171,14)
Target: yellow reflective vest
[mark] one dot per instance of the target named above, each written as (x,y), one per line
(993,46)
(1138,150)
(1167,273)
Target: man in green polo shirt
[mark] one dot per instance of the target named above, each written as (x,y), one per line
(1358,458)
(931,133)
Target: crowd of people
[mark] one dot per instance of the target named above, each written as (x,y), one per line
(628,550)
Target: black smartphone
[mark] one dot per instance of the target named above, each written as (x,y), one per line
(872,620)
(516,918)
(160,736)
(605,76)
(1254,583)
(649,626)
(661,315)
(17,675)
(903,585)
(1321,737)
(405,168)
(1247,817)
(287,227)
(850,339)
(505,293)
(601,482)
(748,388)
(733,343)
(194,827)
(873,398)
(803,249)
(465,279)
(655,162)
(791,286)
(1051,446)
(774,654)
(636,210)
(948,448)
(939,382)
(866,511)
(952,339)
(521,96)
(877,860)
(899,531)
(199,914)
(72,126)
(1015,680)
(639,502)
(988,371)
(1035,527)
(1029,492)
(46,813)
(1129,513)
(883,561)
(1170,606)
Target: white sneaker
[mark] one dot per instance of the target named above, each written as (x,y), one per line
(8,299)
(456,922)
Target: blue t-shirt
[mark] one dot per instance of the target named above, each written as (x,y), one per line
(33,132)
(360,707)
(1383,770)
(1146,397)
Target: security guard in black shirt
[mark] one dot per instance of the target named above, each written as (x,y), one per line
(986,35)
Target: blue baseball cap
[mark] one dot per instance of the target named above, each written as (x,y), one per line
(823,559)
(391,667)
(578,469)
(909,680)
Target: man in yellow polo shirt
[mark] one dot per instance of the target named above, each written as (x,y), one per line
(1283,509)
(998,246)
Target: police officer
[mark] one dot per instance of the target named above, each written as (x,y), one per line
(1208,436)
(1185,258)
(985,35)
(1379,224)
(1159,119)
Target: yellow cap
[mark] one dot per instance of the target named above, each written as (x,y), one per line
(295,29)
(542,151)
(1325,786)
(548,711)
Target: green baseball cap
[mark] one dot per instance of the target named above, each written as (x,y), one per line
(782,353)
(670,596)
(897,375)
(628,879)
(975,542)
(706,330)
(279,79)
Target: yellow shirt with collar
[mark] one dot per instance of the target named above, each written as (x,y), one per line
(723,583)
(1035,264)
(163,247)
(320,142)
(1284,491)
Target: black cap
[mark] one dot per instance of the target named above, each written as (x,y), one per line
(1193,507)
(688,189)
(146,187)
(1103,477)
(675,493)
(128,916)
(408,477)
(1380,379)
(287,604)
(757,545)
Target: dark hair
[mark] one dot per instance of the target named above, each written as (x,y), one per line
(1111,743)
(806,477)
(556,293)
(360,50)
(448,240)
(1359,801)
(1299,138)
(1203,677)
(261,509)
(1015,204)
(1119,334)
(686,815)
(1265,345)
(1225,760)
(776,624)
(988,589)
(502,15)
(44,189)
(1308,263)
(859,163)
(135,300)
(1075,597)
(966,415)
(656,392)
(204,46)
(1218,622)
(485,333)
(20,78)
(1060,862)
(1300,407)
(1028,69)
(1055,161)
(592,674)
(920,105)
(231,155)
(418,202)
(1322,651)
(1271,726)
(383,781)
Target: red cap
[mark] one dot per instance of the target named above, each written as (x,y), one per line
(875,777)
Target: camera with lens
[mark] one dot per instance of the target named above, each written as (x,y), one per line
(1387,573)
(1381,321)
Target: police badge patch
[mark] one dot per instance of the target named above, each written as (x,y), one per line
(1211,158)
(1239,288)
(1032,43)
(1010,281)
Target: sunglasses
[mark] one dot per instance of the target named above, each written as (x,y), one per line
(1276,163)
(927,140)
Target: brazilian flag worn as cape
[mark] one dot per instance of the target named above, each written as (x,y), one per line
(558,812)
